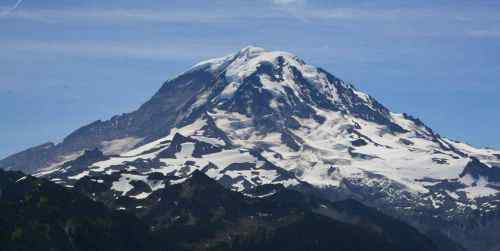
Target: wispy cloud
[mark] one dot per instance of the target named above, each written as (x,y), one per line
(136,15)
(105,49)
(271,10)
(367,13)
(484,33)
(288,2)
(284,9)
(7,11)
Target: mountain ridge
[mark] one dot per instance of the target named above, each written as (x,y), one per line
(198,214)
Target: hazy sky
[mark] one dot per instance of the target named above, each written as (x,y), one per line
(65,63)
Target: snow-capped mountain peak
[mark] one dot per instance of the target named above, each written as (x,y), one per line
(258,82)
(305,121)
(258,117)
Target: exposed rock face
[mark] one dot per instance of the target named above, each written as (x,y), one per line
(151,121)
(478,170)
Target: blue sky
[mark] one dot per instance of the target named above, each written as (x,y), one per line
(65,63)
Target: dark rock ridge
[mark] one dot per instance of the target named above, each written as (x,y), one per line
(198,214)
(151,121)
(476,169)
(200,148)
(39,215)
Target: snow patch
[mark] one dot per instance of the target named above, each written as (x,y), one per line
(119,146)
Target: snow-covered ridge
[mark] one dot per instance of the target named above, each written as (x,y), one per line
(285,81)
(238,66)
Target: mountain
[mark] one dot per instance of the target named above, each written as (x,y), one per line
(198,214)
(260,117)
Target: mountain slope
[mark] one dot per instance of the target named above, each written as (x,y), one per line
(198,214)
(258,117)
(39,215)
(286,220)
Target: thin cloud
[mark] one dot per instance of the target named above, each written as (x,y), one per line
(111,16)
(484,34)
(11,9)
(284,9)
(287,10)
(288,2)
(107,49)
(367,13)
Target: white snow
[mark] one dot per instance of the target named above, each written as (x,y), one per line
(453,195)
(21,179)
(122,185)
(229,91)
(186,150)
(141,196)
(119,146)
(474,192)
(56,166)
(79,176)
